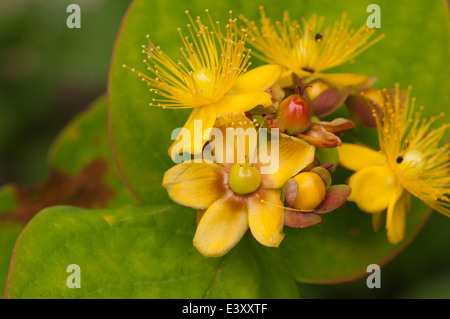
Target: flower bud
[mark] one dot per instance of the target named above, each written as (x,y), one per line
(306,191)
(325,99)
(314,88)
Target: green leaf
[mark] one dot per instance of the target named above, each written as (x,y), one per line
(137,252)
(82,173)
(83,148)
(341,248)
(9,231)
(414,52)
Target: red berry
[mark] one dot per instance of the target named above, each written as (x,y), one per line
(295,114)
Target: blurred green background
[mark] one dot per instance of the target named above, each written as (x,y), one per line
(49,73)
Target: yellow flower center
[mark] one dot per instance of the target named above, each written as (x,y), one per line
(311,191)
(203,80)
(244,179)
(411,163)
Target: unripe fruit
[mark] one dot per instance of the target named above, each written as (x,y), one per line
(244,179)
(295,114)
(311,191)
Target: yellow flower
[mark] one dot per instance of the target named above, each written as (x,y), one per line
(410,162)
(237,196)
(211,78)
(310,49)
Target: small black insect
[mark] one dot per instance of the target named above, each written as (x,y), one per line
(308,70)
(319,36)
(399,159)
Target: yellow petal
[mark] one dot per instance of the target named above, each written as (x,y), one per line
(293,156)
(372,188)
(258,79)
(266,218)
(356,157)
(396,213)
(196,185)
(242,102)
(221,227)
(285,79)
(235,140)
(340,80)
(202,118)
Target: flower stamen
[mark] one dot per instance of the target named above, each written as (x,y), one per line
(308,47)
(211,63)
(412,148)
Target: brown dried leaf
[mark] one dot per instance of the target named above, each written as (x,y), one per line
(322,134)
(321,138)
(338,125)
(86,190)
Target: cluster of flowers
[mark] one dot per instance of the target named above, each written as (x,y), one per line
(291,93)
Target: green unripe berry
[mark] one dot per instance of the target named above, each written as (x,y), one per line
(244,179)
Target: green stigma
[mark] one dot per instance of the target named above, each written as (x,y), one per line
(244,179)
